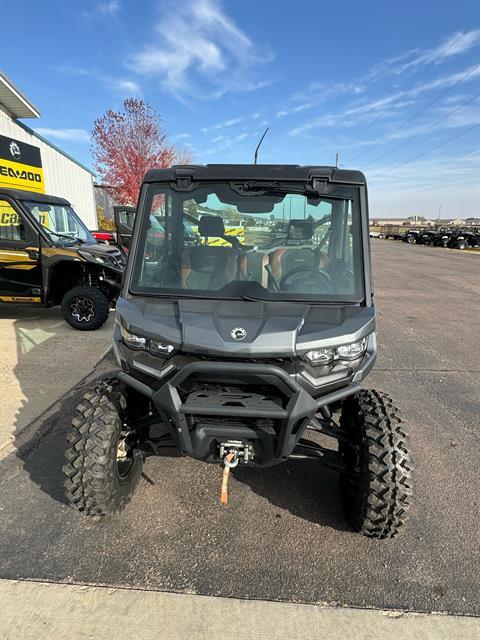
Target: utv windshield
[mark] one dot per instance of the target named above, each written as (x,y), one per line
(273,244)
(61,223)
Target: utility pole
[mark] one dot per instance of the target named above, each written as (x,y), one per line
(337,159)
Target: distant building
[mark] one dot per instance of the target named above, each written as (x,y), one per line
(413,221)
(418,221)
(28,161)
(450,222)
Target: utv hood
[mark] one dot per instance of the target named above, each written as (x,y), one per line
(102,255)
(244,329)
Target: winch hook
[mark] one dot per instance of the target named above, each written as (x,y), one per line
(230,461)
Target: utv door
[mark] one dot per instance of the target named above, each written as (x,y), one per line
(20,268)
(124,220)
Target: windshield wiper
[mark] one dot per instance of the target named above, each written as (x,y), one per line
(64,235)
(305,302)
(183,296)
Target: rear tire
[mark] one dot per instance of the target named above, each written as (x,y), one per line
(376,483)
(85,308)
(96,482)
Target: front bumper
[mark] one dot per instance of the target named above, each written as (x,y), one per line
(201,415)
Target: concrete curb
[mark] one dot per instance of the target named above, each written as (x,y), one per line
(42,611)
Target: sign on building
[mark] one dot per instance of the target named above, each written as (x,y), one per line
(20,166)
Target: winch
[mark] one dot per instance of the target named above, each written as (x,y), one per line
(239,449)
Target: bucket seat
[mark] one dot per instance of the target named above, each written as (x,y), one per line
(298,251)
(210,267)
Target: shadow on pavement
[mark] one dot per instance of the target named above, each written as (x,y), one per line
(46,382)
(47,350)
(305,489)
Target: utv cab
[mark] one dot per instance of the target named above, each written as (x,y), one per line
(48,257)
(247,342)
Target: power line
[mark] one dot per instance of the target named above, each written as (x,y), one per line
(430,126)
(417,113)
(437,60)
(424,153)
(425,71)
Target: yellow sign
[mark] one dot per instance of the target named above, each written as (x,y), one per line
(10,218)
(20,166)
(239,232)
(27,299)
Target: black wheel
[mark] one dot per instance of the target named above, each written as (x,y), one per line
(103,466)
(85,308)
(410,240)
(461,245)
(376,482)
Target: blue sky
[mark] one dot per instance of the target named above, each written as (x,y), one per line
(390,86)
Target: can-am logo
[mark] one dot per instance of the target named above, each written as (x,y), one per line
(239,333)
(15,150)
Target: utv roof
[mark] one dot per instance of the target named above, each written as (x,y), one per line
(20,194)
(255,172)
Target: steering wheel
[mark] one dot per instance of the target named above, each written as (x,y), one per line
(318,278)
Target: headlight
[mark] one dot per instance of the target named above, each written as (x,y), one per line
(157,347)
(90,256)
(325,356)
(353,350)
(132,340)
(160,348)
(320,356)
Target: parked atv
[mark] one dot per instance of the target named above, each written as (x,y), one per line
(426,238)
(247,352)
(441,239)
(48,257)
(411,237)
(464,240)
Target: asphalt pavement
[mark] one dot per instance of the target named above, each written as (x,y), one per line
(282,537)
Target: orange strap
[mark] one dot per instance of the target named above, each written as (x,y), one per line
(226,474)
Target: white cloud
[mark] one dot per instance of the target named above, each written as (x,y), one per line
(73,135)
(387,106)
(117,84)
(454,45)
(181,136)
(73,70)
(224,142)
(317,93)
(109,8)
(200,52)
(105,9)
(228,123)
(126,86)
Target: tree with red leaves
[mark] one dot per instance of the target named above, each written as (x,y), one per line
(125,145)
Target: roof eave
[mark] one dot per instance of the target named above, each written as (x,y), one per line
(14,100)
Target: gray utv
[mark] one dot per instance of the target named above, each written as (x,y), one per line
(245,341)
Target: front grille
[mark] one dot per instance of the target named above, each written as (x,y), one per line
(117,258)
(206,358)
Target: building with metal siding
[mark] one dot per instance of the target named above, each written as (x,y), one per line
(63,175)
